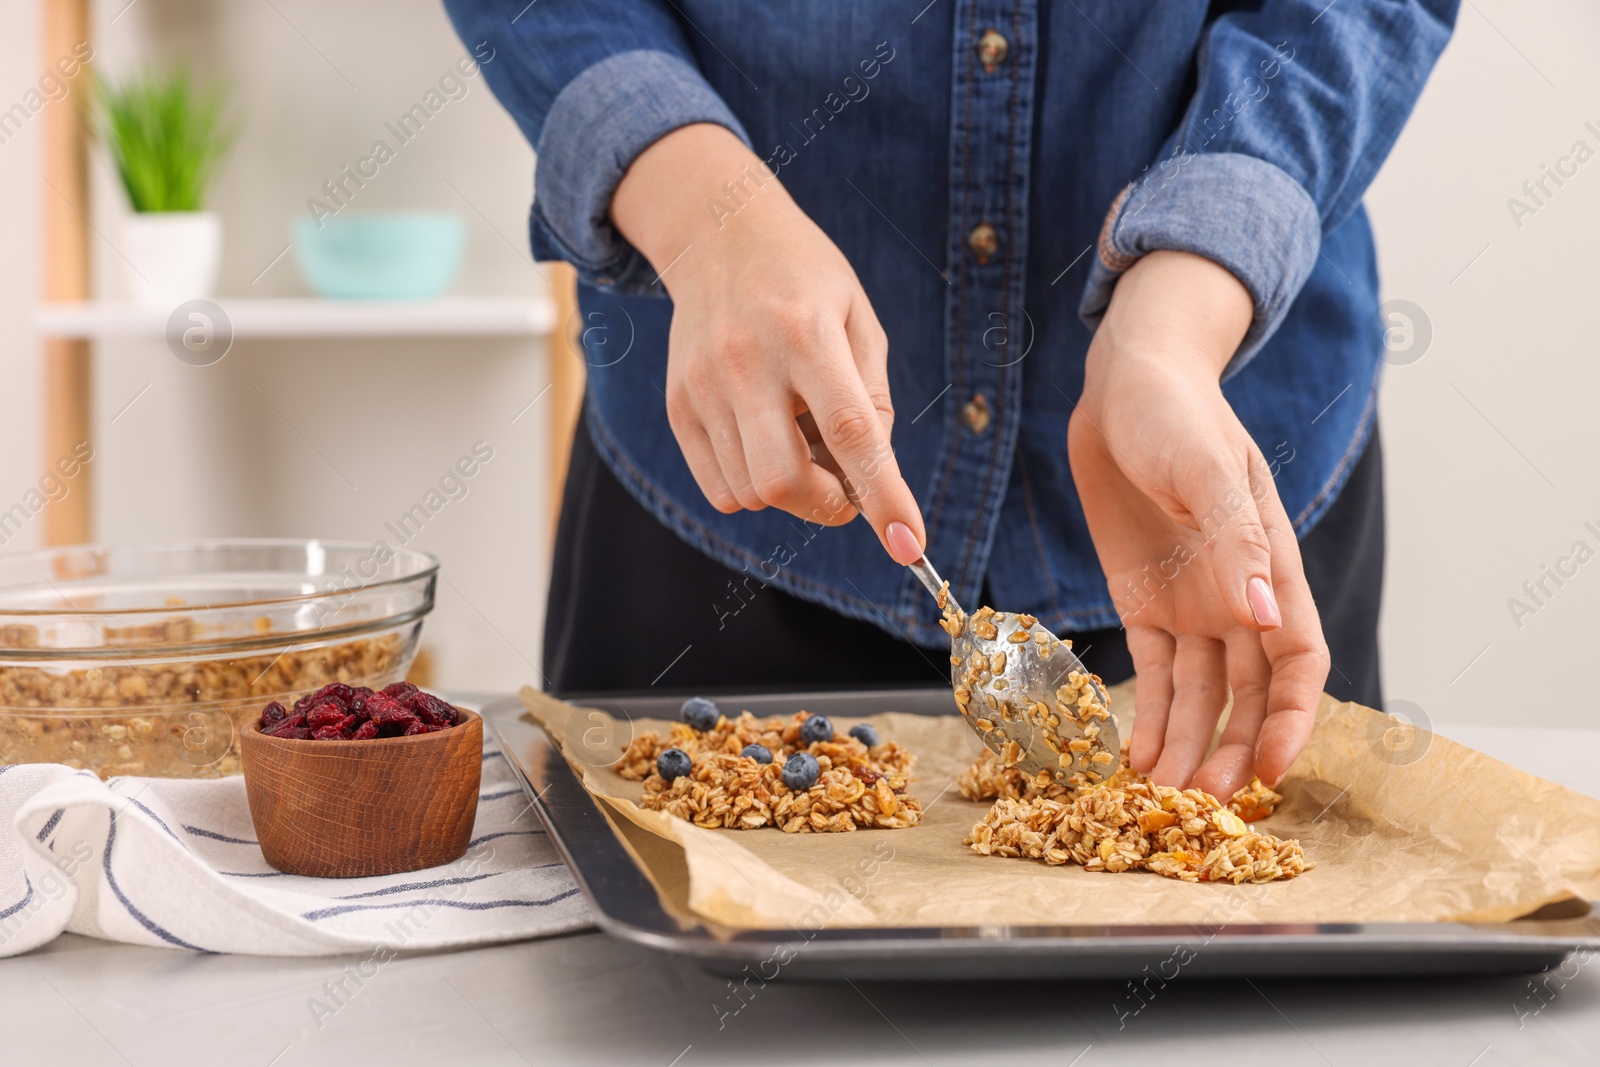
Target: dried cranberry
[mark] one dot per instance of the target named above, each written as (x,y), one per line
(324,714)
(387,709)
(340,712)
(431,710)
(284,727)
(336,692)
(392,718)
(358,700)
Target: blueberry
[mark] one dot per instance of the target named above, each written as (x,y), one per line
(865,734)
(816,728)
(673,763)
(759,753)
(700,713)
(801,771)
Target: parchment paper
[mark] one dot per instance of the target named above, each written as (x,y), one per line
(1403,826)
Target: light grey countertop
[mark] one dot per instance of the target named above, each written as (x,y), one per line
(586,998)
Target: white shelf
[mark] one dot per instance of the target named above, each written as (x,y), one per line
(481,316)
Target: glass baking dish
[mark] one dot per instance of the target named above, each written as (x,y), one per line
(145,659)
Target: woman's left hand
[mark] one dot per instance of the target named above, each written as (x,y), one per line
(1200,556)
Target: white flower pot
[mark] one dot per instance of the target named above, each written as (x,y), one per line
(173,256)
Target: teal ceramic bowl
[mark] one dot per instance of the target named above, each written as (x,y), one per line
(402,256)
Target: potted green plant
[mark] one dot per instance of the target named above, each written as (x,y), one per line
(166,135)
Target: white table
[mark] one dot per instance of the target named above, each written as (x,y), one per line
(588,999)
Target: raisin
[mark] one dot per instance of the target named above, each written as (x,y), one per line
(273,712)
(365,732)
(866,774)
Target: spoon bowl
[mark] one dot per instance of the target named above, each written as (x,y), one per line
(1025,693)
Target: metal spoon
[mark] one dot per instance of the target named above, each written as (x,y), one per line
(1024,693)
(1041,710)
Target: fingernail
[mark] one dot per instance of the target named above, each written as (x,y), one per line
(1256,768)
(903,546)
(1263,605)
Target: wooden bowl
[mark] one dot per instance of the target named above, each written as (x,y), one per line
(346,809)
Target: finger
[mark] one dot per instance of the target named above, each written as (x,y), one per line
(1298,655)
(1228,769)
(1297,681)
(701,457)
(722,431)
(869,346)
(853,431)
(1241,554)
(1151,651)
(824,459)
(1216,491)
(780,465)
(1199,690)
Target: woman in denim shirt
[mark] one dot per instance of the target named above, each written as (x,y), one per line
(1078,295)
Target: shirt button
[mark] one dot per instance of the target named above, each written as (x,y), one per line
(975,413)
(984,240)
(992,50)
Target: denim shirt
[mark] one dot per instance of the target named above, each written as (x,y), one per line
(989,167)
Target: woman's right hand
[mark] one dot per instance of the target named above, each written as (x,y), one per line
(774,348)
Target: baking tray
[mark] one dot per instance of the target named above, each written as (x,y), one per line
(627,904)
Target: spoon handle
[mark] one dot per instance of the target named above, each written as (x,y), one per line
(930,579)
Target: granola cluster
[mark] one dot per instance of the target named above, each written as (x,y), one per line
(858,787)
(165,719)
(1127,824)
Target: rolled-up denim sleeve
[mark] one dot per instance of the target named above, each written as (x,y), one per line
(1296,106)
(592,84)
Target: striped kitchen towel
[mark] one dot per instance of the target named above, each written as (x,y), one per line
(175,863)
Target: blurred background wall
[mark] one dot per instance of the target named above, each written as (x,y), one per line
(1490,433)
(327,438)
(1487,416)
